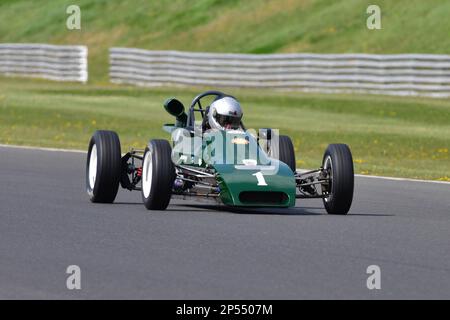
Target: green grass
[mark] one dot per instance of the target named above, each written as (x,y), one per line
(251,26)
(392,136)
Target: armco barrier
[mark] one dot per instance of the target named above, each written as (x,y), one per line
(401,74)
(59,63)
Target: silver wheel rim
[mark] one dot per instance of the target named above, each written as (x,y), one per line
(147,174)
(93,166)
(328,166)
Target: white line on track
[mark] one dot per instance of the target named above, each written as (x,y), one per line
(400,179)
(357,175)
(40,148)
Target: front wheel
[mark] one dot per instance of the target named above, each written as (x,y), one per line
(338,163)
(103,166)
(158,175)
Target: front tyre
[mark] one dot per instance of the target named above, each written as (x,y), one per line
(103,167)
(158,175)
(338,163)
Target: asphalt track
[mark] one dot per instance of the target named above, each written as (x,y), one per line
(203,252)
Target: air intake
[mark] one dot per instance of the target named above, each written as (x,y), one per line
(263,198)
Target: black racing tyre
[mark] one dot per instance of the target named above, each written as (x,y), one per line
(158,175)
(286,152)
(103,166)
(338,162)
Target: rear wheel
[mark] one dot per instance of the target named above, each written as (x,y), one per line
(338,163)
(285,152)
(158,175)
(103,167)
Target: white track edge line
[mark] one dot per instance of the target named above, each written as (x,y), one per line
(400,179)
(40,148)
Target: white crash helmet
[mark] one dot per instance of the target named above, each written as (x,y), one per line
(224,114)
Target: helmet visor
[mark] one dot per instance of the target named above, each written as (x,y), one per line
(228,122)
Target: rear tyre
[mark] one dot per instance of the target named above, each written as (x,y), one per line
(158,175)
(103,167)
(286,152)
(338,163)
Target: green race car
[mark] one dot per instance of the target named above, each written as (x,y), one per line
(221,162)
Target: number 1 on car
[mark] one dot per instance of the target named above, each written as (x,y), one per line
(260,177)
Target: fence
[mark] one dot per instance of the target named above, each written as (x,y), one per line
(402,74)
(59,63)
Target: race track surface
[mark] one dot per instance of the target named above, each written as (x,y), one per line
(204,252)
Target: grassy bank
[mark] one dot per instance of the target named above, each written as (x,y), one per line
(388,135)
(251,26)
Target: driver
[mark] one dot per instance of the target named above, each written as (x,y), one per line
(225,114)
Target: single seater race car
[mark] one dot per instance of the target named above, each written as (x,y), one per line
(233,166)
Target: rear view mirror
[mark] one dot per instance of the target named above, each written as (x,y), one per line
(176,109)
(265,139)
(265,134)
